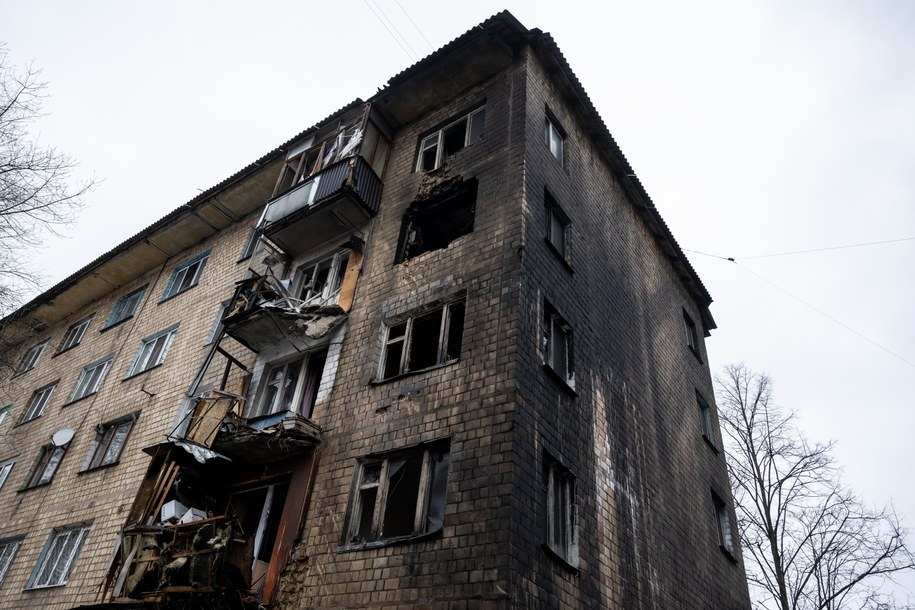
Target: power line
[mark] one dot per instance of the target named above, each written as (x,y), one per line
(822,313)
(416,27)
(413,56)
(745,258)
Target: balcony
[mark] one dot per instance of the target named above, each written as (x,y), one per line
(324,207)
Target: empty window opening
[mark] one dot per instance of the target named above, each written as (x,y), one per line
(438,147)
(557,344)
(259,513)
(562,532)
(399,496)
(434,222)
(557,228)
(424,341)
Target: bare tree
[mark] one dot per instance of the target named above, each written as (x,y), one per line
(809,542)
(36,193)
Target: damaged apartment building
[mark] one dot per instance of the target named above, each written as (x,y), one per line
(439,350)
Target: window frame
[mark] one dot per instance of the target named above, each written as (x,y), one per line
(74,334)
(6,467)
(435,139)
(5,412)
(553,133)
(38,402)
(430,482)
(555,212)
(560,489)
(86,375)
(46,465)
(67,555)
(706,421)
(406,340)
(336,272)
(169,334)
(193,266)
(692,335)
(125,307)
(723,526)
(30,358)
(8,549)
(303,365)
(555,325)
(105,433)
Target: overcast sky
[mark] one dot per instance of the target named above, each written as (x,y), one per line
(756,127)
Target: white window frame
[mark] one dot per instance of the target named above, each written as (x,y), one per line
(329,293)
(110,440)
(126,306)
(561,513)
(8,549)
(30,358)
(405,340)
(381,487)
(185,276)
(74,335)
(91,378)
(436,140)
(5,469)
(299,368)
(558,333)
(555,140)
(56,561)
(39,401)
(155,345)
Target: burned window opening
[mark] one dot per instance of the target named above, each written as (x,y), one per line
(438,219)
(399,497)
(424,340)
(439,146)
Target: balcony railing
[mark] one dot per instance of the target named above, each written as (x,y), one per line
(339,197)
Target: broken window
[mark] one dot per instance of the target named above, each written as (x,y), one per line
(58,556)
(400,496)
(424,340)
(259,514)
(437,147)
(30,358)
(152,351)
(8,548)
(557,227)
(110,439)
(562,519)
(309,158)
(38,402)
(557,338)
(74,334)
(125,307)
(292,386)
(186,275)
(49,459)
(90,379)
(554,138)
(319,283)
(436,221)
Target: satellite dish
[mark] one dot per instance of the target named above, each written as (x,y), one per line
(62,437)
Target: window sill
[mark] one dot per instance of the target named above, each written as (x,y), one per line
(22,423)
(563,561)
(712,445)
(97,468)
(179,293)
(695,353)
(565,384)
(565,262)
(728,553)
(411,373)
(31,487)
(64,351)
(63,584)
(118,323)
(138,373)
(20,374)
(377,544)
(76,400)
